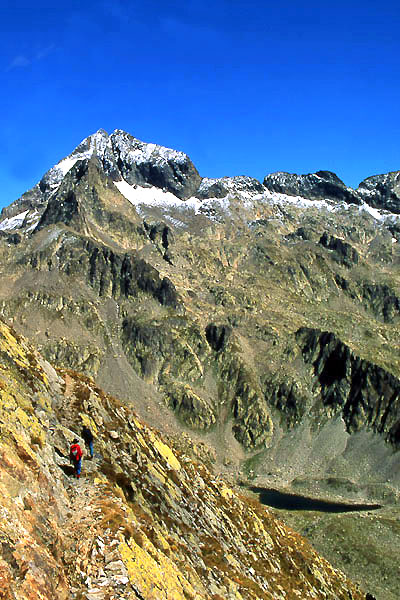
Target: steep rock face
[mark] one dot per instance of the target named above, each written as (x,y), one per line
(323,184)
(217,336)
(198,384)
(109,273)
(367,395)
(174,347)
(144,521)
(343,253)
(380,299)
(382,191)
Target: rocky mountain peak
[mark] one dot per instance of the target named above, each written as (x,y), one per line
(93,144)
(221,187)
(141,163)
(382,191)
(166,176)
(319,185)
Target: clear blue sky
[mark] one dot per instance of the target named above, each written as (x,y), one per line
(243,87)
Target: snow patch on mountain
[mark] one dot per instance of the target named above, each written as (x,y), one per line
(138,152)
(142,197)
(32,220)
(152,196)
(281,199)
(276,198)
(59,171)
(379,215)
(93,144)
(153,153)
(13,222)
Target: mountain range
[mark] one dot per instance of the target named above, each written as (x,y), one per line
(261,318)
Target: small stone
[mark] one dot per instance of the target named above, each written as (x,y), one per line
(117,565)
(110,556)
(121,579)
(114,435)
(95,594)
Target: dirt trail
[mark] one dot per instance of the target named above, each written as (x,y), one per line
(92,534)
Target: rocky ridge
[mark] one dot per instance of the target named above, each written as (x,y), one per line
(147,519)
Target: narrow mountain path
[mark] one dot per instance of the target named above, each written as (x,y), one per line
(92,535)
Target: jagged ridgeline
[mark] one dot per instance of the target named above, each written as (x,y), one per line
(147,519)
(263,317)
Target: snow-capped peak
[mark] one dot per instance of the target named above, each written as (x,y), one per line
(136,151)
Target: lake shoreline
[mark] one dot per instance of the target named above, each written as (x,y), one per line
(288,500)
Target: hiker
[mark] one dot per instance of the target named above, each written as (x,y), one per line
(88,437)
(75,456)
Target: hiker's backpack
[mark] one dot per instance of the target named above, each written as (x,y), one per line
(74,453)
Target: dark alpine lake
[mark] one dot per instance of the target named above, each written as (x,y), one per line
(286,501)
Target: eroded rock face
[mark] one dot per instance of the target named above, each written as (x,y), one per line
(109,273)
(144,520)
(343,253)
(217,336)
(366,394)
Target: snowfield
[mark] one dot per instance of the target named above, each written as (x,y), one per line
(13,222)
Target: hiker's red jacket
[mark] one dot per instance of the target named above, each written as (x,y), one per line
(75,452)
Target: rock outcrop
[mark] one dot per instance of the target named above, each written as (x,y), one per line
(219,188)
(366,395)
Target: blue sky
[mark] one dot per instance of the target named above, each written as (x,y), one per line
(242,87)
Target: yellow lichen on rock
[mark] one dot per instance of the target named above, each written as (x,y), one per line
(156,472)
(10,345)
(165,452)
(31,425)
(154,579)
(226,492)
(89,422)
